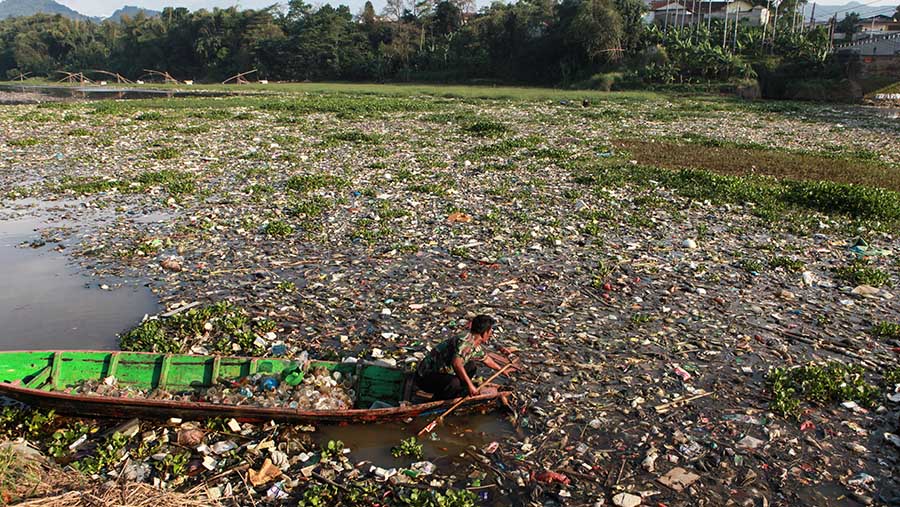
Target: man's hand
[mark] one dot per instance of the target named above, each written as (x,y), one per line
(496,362)
(488,389)
(507,351)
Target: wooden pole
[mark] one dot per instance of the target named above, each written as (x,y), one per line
(725,31)
(430,426)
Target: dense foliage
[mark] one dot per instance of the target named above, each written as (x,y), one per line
(590,42)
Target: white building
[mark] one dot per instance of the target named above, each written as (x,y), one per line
(687,12)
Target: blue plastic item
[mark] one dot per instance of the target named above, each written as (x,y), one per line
(268,383)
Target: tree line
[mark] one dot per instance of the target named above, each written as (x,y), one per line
(542,42)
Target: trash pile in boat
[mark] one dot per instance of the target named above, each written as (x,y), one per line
(318,389)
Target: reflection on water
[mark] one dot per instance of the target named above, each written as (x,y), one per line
(373,442)
(45,303)
(452,451)
(103,93)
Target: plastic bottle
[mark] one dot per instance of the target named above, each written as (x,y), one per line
(268,383)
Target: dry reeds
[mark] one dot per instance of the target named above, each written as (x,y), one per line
(126,495)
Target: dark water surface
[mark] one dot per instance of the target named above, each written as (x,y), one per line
(104,92)
(46,302)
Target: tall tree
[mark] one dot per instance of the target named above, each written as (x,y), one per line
(849,25)
(368,14)
(394,9)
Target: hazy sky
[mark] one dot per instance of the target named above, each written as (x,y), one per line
(106,7)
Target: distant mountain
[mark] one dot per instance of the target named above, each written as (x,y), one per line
(13,8)
(132,11)
(824,12)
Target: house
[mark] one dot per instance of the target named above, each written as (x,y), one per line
(878,24)
(687,12)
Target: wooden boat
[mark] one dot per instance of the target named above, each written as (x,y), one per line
(39,378)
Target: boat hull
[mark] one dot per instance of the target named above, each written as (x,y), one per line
(108,407)
(39,379)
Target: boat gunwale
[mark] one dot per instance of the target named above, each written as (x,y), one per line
(252,410)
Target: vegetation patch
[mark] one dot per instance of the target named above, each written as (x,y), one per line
(228,327)
(859,272)
(175,182)
(149,116)
(787,264)
(278,229)
(436,189)
(165,153)
(886,330)
(19,477)
(356,136)
(28,423)
(86,185)
(769,194)
(892,377)
(487,128)
(24,142)
(820,384)
(310,207)
(346,105)
(310,182)
(409,447)
(740,160)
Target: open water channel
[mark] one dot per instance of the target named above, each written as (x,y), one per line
(47,301)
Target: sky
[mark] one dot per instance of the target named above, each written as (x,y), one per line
(107,7)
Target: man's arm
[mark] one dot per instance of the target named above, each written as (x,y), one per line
(492,363)
(460,368)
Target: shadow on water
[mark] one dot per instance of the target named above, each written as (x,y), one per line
(46,302)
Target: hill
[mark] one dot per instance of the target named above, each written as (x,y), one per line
(131,11)
(13,8)
(823,12)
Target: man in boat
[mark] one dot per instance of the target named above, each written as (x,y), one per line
(447,370)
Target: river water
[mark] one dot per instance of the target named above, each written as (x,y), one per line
(48,302)
(25,94)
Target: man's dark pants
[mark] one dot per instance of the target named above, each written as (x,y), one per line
(445,386)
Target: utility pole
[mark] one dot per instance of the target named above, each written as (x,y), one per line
(794,19)
(725,31)
(694,16)
(831,36)
(812,17)
(775,22)
(737,21)
(666,29)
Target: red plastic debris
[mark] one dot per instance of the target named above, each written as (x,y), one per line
(548,477)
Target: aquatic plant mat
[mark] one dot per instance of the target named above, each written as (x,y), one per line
(648,286)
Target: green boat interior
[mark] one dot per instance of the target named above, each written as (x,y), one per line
(59,370)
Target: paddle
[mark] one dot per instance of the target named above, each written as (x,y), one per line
(440,418)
